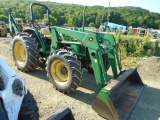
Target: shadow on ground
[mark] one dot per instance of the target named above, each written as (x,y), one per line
(148,106)
(41,74)
(86,92)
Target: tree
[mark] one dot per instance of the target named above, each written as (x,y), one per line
(115,17)
(98,20)
(72,21)
(90,17)
(157,22)
(91,24)
(4,18)
(64,13)
(19,14)
(53,20)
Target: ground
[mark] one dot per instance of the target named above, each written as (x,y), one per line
(50,101)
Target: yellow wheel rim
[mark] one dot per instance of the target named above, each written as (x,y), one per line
(59,71)
(20,52)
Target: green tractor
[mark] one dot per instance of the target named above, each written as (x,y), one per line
(66,52)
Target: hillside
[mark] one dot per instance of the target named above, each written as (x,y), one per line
(72,13)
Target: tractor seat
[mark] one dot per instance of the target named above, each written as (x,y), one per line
(46,33)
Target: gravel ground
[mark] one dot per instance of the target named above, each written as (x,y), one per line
(50,101)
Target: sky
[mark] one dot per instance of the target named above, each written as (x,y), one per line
(151,5)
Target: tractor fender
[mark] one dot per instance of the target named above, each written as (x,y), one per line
(37,36)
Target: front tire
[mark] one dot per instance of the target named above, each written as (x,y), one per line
(25,52)
(64,70)
(29,109)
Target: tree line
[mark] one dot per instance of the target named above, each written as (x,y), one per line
(72,14)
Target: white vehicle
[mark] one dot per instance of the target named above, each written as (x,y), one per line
(16,102)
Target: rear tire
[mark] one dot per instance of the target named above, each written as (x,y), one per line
(29,109)
(64,70)
(25,52)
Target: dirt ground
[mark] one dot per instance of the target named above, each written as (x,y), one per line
(50,101)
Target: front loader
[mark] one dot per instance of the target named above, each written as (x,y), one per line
(66,52)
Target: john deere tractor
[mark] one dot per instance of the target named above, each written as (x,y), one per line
(66,52)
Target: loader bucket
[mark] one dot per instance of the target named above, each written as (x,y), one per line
(117,100)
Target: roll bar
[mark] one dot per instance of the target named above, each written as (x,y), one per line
(32,15)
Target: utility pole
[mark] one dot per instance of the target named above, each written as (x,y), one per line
(84,18)
(108,12)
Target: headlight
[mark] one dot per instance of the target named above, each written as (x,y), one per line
(17,87)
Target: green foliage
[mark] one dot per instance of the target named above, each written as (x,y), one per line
(157,48)
(72,21)
(53,20)
(91,24)
(133,48)
(18,20)
(158,36)
(4,18)
(130,31)
(130,62)
(72,14)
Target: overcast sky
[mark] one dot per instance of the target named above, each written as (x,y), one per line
(151,5)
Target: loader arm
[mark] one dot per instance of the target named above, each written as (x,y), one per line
(95,50)
(109,40)
(118,96)
(14,27)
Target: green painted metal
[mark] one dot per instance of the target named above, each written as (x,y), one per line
(112,92)
(76,48)
(14,27)
(116,100)
(89,40)
(111,49)
(72,33)
(105,103)
(97,45)
(70,42)
(55,39)
(113,54)
(97,67)
(84,43)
